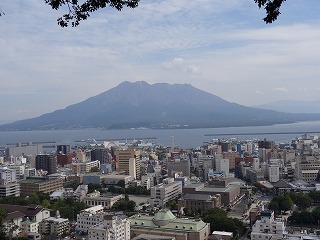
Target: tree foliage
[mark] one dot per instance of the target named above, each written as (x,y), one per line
(281,203)
(302,200)
(125,205)
(272,8)
(219,221)
(81,10)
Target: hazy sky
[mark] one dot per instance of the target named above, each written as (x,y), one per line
(219,46)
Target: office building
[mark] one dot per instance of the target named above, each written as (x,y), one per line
(40,184)
(124,164)
(164,192)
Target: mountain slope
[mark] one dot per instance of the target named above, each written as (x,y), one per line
(292,106)
(139,104)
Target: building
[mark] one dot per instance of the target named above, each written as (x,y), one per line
(84,167)
(63,149)
(123,161)
(273,171)
(101,154)
(113,179)
(28,149)
(222,165)
(89,217)
(198,203)
(114,227)
(164,223)
(8,183)
(232,157)
(229,193)
(268,227)
(46,162)
(26,217)
(179,165)
(164,192)
(30,172)
(40,184)
(106,200)
(54,225)
(64,159)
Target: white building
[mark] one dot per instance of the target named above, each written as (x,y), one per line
(30,172)
(8,183)
(256,164)
(222,165)
(106,200)
(268,227)
(89,217)
(54,225)
(146,181)
(114,227)
(273,170)
(162,193)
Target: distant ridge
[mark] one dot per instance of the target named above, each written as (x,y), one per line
(292,106)
(161,105)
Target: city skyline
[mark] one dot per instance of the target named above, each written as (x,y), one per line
(221,47)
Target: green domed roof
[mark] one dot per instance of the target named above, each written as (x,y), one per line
(163,217)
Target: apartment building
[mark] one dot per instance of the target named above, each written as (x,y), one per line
(114,227)
(46,162)
(54,225)
(89,217)
(84,167)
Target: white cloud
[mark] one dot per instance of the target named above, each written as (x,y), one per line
(222,47)
(281,89)
(181,65)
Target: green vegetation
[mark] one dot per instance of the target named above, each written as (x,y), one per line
(68,207)
(124,204)
(281,203)
(36,198)
(139,190)
(219,221)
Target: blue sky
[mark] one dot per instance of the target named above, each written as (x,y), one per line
(219,46)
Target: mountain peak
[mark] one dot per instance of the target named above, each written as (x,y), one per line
(159,105)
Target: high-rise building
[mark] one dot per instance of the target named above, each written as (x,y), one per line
(101,154)
(46,162)
(123,161)
(63,149)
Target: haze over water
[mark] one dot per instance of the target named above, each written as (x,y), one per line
(184,138)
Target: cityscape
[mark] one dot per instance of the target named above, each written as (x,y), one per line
(159,120)
(225,189)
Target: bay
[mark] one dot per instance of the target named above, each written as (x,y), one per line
(184,138)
